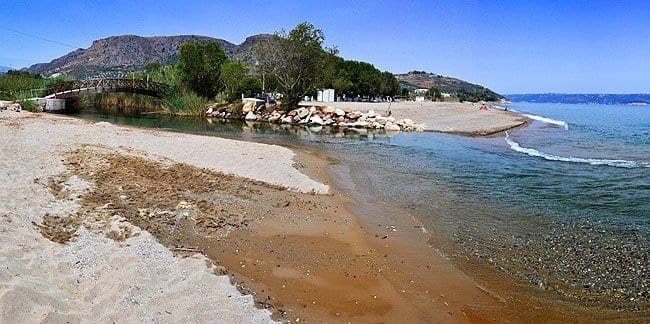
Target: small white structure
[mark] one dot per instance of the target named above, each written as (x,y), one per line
(421,91)
(326,95)
(419,99)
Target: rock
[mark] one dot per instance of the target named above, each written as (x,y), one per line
(377,125)
(328,122)
(360,124)
(363,118)
(275,116)
(354,115)
(312,109)
(328,110)
(250,116)
(339,112)
(347,110)
(248,107)
(292,113)
(316,129)
(405,123)
(15,107)
(302,112)
(296,118)
(381,120)
(371,114)
(316,120)
(391,127)
(306,119)
(209,112)
(287,120)
(390,119)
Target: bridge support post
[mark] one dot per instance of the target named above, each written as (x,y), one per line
(55,105)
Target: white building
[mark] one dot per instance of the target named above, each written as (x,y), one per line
(326,95)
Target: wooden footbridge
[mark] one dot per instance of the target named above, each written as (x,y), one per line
(71,89)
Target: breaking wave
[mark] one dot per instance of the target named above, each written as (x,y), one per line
(533,152)
(549,120)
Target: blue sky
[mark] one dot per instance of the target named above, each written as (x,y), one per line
(508,46)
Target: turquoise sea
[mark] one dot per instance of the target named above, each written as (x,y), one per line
(562,204)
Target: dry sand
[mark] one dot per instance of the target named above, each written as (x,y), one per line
(447,117)
(93,278)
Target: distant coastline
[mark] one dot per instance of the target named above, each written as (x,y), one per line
(637,99)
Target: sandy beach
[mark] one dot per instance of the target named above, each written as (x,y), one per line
(106,223)
(445,117)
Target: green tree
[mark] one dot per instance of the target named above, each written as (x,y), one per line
(250,86)
(435,94)
(389,84)
(152,67)
(232,73)
(200,67)
(293,60)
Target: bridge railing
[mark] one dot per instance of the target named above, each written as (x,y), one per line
(100,85)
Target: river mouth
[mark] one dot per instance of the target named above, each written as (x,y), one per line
(476,201)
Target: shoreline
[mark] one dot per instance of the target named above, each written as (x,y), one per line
(300,254)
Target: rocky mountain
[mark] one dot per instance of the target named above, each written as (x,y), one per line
(131,53)
(423,80)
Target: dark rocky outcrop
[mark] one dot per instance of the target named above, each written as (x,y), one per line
(131,53)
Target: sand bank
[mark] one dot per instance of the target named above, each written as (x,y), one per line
(446,117)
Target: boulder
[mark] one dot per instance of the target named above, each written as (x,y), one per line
(360,124)
(316,120)
(391,127)
(371,114)
(306,119)
(209,112)
(381,120)
(312,109)
(250,116)
(248,107)
(405,123)
(339,112)
(15,107)
(354,115)
(286,120)
(328,110)
(302,112)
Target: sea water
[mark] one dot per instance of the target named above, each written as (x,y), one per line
(563,203)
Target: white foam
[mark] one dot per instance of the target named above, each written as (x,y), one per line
(533,152)
(549,120)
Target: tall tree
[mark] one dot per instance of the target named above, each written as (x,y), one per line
(232,73)
(200,67)
(293,60)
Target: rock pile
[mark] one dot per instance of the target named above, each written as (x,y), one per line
(7,105)
(318,116)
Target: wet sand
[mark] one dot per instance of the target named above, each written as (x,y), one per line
(444,117)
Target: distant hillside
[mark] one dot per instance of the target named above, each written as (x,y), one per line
(424,80)
(130,52)
(604,99)
(4,69)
